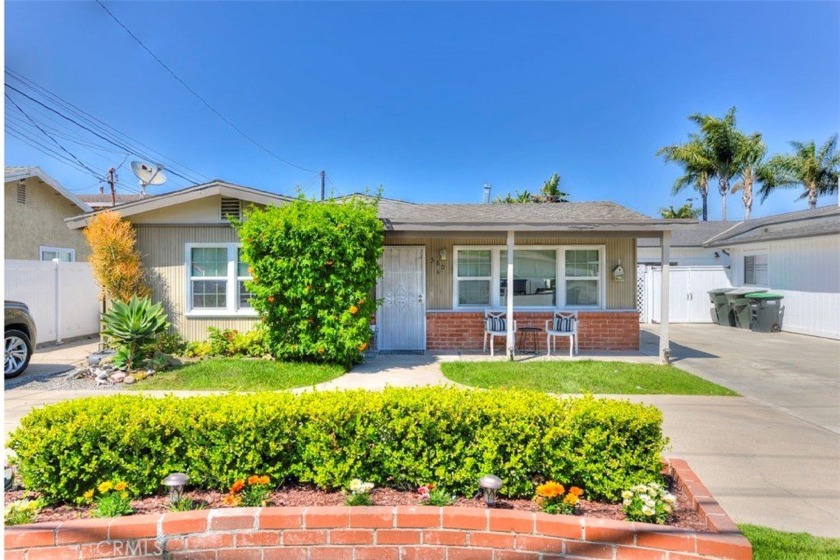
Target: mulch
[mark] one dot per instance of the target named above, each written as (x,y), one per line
(683,516)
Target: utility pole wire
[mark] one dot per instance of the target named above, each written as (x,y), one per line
(197,96)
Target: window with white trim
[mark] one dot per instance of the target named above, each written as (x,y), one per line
(755,270)
(473,277)
(554,277)
(62,254)
(216,280)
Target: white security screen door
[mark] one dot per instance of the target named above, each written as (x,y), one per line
(402,315)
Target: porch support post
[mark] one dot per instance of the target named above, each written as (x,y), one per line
(509,293)
(664,341)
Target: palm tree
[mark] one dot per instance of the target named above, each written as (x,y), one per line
(815,169)
(696,163)
(723,145)
(750,169)
(685,212)
(550,191)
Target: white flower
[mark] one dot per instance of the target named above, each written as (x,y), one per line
(667,508)
(366,487)
(647,511)
(626,501)
(355,485)
(627,494)
(669,498)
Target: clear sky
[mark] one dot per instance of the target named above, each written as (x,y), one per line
(430,100)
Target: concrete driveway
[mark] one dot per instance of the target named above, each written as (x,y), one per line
(771,457)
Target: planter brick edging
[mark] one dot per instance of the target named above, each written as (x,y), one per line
(387,533)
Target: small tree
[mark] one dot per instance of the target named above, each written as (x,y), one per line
(114,258)
(685,212)
(315,267)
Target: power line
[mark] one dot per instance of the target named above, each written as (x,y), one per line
(48,151)
(97,123)
(47,134)
(197,96)
(110,141)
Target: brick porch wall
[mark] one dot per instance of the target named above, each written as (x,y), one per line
(598,330)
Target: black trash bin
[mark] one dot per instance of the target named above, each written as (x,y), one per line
(765,311)
(720,307)
(738,312)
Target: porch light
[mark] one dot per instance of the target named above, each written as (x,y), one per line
(490,485)
(175,482)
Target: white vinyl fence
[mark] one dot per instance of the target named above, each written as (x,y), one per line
(688,297)
(62,297)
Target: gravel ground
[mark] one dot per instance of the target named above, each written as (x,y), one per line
(55,378)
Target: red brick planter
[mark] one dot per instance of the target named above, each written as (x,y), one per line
(386,533)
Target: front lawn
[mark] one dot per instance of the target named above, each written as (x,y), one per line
(237,374)
(769,544)
(585,376)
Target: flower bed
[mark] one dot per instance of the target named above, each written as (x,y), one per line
(385,532)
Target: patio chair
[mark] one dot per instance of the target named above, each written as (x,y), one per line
(564,323)
(495,324)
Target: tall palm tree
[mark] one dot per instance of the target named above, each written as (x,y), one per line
(815,169)
(695,160)
(723,144)
(750,169)
(550,191)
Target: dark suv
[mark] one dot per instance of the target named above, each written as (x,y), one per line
(20,337)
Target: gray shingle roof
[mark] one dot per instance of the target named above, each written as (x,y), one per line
(568,215)
(792,225)
(694,235)
(100,198)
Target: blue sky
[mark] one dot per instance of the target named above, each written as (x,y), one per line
(432,100)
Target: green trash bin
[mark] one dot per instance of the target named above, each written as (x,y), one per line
(765,311)
(738,313)
(720,307)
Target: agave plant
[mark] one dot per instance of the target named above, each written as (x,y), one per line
(133,325)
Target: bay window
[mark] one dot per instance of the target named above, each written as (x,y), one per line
(216,280)
(544,277)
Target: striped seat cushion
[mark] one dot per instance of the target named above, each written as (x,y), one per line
(564,324)
(496,324)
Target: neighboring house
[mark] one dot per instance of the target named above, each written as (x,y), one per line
(687,246)
(797,255)
(101,200)
(444,264)
(36,207)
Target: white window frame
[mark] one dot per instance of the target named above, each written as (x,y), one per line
(755,253)
(231,282)
(499,269)
(43,249)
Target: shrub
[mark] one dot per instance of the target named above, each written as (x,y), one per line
(170,343)
(431,495)
(227,342)
(315,266)
(113,257)
(358,493)
(553,498)
(398,438)
(21,512)
(110,499)
(134,326)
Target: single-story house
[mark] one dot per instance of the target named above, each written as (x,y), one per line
(796,254)
(36,207)
(444,265)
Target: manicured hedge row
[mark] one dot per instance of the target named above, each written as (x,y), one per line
(398,438)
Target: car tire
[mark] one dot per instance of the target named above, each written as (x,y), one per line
(18,352)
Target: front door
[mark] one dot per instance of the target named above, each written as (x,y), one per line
(402,316)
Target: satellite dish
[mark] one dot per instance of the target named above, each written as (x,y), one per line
(148,174)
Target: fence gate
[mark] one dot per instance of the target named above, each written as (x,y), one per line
(688,297)
(62,297)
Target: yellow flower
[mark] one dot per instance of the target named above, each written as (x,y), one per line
(570,499)
(264,479)
(105,487)
(120,486)
(550,489)
(123,495)
(88,495)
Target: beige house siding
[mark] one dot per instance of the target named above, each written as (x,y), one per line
(40,222)
(163,250)
(619,295)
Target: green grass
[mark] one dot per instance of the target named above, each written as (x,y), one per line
(769,544)
(235,374)
(585,376)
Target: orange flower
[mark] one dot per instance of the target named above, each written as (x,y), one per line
(570,499)
(231,500)
(251,270)
(264,479)
(550,489)
(253,479)
(574,490)
(321,350)
(329,263)
(353,309)
(270,299)
(362,346)
(237,486)
(361,301)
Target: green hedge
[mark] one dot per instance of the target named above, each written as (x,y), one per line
(398,438)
